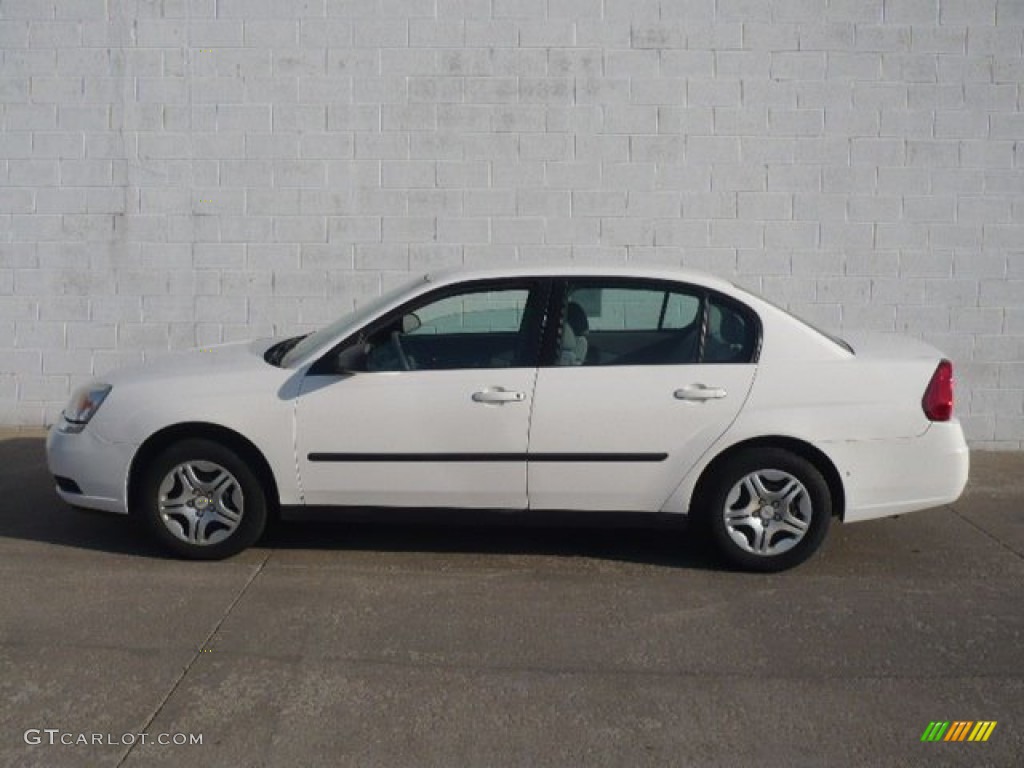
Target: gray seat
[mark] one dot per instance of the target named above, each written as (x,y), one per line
(574,345)
(728,338)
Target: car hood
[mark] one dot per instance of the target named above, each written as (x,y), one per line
(234,357)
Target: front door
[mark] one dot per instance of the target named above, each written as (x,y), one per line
(646,377)
(431,410)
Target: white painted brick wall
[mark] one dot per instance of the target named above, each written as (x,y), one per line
(861,161)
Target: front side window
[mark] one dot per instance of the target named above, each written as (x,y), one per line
(474,313)
(481,328)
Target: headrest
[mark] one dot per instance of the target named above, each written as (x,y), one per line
(576,319)
(573,348)
(732,328)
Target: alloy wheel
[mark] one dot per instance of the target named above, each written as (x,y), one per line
(767,512)
(200,502)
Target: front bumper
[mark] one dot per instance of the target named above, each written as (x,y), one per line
(98,468)
(891,477)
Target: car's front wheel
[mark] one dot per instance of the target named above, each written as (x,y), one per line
(202,501)
(769,509)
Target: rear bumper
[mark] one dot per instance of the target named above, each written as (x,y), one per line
(98,468)
(891,477)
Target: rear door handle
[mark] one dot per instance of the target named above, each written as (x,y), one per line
(699,392)
(498,395)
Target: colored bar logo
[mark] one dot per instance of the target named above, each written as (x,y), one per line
(959,730)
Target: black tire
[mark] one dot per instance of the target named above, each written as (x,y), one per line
(242,493)
(737,539)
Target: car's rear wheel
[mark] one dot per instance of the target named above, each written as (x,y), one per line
(202,501)
(768,509)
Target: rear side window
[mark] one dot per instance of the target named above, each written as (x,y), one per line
(680,311)
(652,324)
(619,325)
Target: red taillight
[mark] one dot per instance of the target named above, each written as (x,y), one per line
(938,397)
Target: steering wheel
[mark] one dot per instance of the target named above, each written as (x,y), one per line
(396,343)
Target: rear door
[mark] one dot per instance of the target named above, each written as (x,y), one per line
(643,377)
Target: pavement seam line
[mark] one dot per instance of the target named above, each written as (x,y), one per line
(987,534)
(195,655)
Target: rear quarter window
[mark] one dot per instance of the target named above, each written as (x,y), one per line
(731,335)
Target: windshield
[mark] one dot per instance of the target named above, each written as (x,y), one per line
(357,317)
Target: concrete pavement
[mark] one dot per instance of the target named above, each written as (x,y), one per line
(420,646)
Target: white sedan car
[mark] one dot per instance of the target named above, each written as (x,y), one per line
(545,389)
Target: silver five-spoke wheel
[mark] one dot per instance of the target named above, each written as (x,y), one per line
(200,502)
(767,512)
(768,508)
(203,499)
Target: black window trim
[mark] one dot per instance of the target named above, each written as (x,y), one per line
(705,317)
(539,292)
(560,288)
(664,309)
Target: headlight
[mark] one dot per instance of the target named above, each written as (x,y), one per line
(83,405)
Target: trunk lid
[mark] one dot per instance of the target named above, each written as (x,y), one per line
(891,346)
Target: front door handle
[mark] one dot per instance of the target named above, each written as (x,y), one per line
(498,395)
(699,392)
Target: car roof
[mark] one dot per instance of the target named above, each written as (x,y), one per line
(457,274)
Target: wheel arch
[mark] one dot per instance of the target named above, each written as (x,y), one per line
(231,439)
(795,445)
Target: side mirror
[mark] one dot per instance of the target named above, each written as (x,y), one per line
(410,323)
